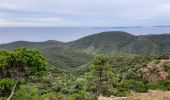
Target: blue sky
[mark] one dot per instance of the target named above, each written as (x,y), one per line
(84,12)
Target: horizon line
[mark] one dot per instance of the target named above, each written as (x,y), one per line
(79,38)
(135,26)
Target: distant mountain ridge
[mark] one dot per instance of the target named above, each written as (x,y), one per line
(78,52)
(116,41)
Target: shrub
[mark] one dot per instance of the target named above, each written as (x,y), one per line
(64,91)
(123,88)
(6,85)
(49,96)
(76,96)
(26,92)
(163,85)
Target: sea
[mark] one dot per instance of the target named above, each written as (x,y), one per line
(67,34)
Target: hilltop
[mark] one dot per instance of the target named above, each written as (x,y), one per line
(79,52)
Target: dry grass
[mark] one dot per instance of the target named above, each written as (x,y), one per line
(151,95)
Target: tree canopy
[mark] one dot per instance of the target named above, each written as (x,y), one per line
(100,76)
(20,64)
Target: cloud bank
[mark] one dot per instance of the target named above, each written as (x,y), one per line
(84,12)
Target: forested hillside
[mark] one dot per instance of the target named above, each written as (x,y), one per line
(108,63)
(81,51)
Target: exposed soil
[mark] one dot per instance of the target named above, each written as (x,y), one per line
(151,95)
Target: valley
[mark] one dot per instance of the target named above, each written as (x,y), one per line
(127,63)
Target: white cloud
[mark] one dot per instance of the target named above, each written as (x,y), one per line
(85,12)
(164,9)
(7,5)
(37,22)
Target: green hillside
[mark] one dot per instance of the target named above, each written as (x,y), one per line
(78,71)
(79,52)
(57,53)
(105,42)
(116,41)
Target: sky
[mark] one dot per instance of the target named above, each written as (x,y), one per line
(84,13)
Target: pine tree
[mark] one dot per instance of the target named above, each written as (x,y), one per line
(100,76)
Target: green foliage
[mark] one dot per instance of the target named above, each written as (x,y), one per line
(65,90)
(76,53)
(100,77)
(163,85)
(79,96)
(27,92)
(21,63)
(76,96)
(30,58)
(5,86)
(133,85)
(167,68)
(56,53)
(126,67)
(4,57)
(3,98)
(65,79)
(50,96)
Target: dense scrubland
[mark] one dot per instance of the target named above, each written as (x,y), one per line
(107,64)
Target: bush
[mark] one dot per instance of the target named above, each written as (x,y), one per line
(76,96)
(167,68)
(3,98)
(89,96)
(26,92)
(134,85)
(64,91)
(123,88)
(163,85)
(82,96)
(6,85)
(49,96)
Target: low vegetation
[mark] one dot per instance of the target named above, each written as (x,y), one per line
(25,75)
(110,63)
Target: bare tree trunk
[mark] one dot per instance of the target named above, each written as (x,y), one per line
(12,92)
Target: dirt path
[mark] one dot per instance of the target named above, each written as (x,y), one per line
(151,95)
